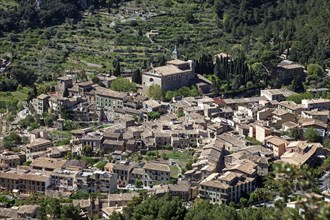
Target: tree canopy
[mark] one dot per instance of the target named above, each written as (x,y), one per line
(168,207)
(155,92)
(123,85)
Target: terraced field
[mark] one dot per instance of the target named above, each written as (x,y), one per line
(100,38)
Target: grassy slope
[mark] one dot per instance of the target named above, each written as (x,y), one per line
(94,41)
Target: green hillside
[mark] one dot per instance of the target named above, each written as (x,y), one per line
(94,38)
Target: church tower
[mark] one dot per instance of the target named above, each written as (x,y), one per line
(174,54)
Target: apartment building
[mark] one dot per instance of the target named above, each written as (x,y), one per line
(38,145)
(156,172)
(63,180)
(96,181)
(109,99)
(280,116)
(124,171)
(291,107)
(320,104)
(226,188)
(162,138)
(11,159)
(26,182)
(184,138)
(315,114)
(93,139)
(40,104)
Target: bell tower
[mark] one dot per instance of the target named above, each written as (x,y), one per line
(174,54)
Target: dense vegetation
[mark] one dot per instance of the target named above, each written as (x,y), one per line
(274,25)
(172,208)
(123,85)
(108,36)
(30,14)
(260,30)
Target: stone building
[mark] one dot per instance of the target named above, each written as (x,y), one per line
(174,75)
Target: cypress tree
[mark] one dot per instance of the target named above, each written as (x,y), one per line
(66,92)
(137,76)
(117,71)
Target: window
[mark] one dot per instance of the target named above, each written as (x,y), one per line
(151,80)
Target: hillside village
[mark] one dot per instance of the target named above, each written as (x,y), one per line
(207,147)
(164,109)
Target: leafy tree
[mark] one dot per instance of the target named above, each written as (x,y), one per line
(49,119)
(71,212)
(4,200)
(80,195)
(12,140)
(32,93)
(253,198)
(24,76)
(182,92)
(100,165)
(53,207)
(155,92)
(116,216)
(8,84)
(294,133)
(87,150)
(66,112)
(315,69)
(326,143)
(153,115)
(164,156)
(189,165)
(123,85)
(138,183)
(297,84)
(27,163)
(189,16)
(297,98)
(27,121)
(165,207)
(311,135)
(41,213)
